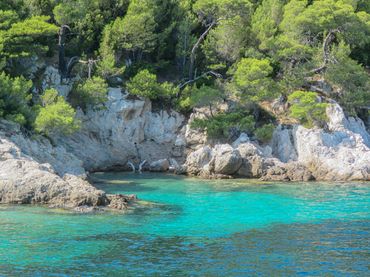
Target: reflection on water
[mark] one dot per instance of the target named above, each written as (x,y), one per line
(196,228)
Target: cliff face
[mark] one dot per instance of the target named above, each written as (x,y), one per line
(125,131)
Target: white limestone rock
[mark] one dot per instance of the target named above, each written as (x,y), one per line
(226,159)
(125,130)
(52,79)
(341,154)
(283,144)
(24,179)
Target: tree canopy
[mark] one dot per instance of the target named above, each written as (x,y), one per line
(192,53)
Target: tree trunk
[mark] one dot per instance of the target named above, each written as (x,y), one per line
(196,46)
(61,49)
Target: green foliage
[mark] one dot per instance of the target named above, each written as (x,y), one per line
(135,32)
(216,9)
(252,81)
(254,51)
(265,22)
(205,95)
(92,92)
(56,116)
(23,38)
(87,19)
(264,133)
(145,84)
(306,107)
(220,125)
(15,99)
(49,97)
(350,78)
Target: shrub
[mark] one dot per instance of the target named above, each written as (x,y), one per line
(305,107)
(220,125)
(15,99)
(56,117)
(93,92)
(145,84)
(264,133)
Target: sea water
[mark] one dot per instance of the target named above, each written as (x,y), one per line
(191,227)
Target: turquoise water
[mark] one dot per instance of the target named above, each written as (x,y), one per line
(196,228)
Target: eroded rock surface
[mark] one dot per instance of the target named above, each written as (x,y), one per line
(295,153)
(126,130)
(37,173)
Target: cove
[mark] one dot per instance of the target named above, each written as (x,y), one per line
(196,227)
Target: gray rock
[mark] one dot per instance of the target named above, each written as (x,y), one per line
(283,144)
(26,176)
(288,172)
(52,79)
(243,138)
(126,130)
(227,160)
(159,166)
(198,159)
(339,155)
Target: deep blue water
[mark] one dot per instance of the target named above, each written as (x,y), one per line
(196,228)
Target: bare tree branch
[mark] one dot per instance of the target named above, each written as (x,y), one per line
(196,46)
(326,50)
(217,75)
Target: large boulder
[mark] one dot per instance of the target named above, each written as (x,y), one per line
(197,160)
(226,159)
(159,166)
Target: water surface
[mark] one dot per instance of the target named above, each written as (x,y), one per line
(196,228)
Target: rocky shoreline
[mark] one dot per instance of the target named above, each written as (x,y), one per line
(127,134)
(32,171)
(295,153)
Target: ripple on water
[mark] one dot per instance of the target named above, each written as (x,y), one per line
(196,228)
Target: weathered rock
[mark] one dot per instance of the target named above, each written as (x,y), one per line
(52,79)
(227,160)
(120,201)
(198,159)
(254,166)
(159,166)
(243,138)
(126,130)
(26,177)
(339,155)
(283,144)
(288,172)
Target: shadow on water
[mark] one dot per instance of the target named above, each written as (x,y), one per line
(332,248)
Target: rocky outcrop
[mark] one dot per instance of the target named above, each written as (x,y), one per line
(125,130)
(295,153)
(34,172)
(338,154)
